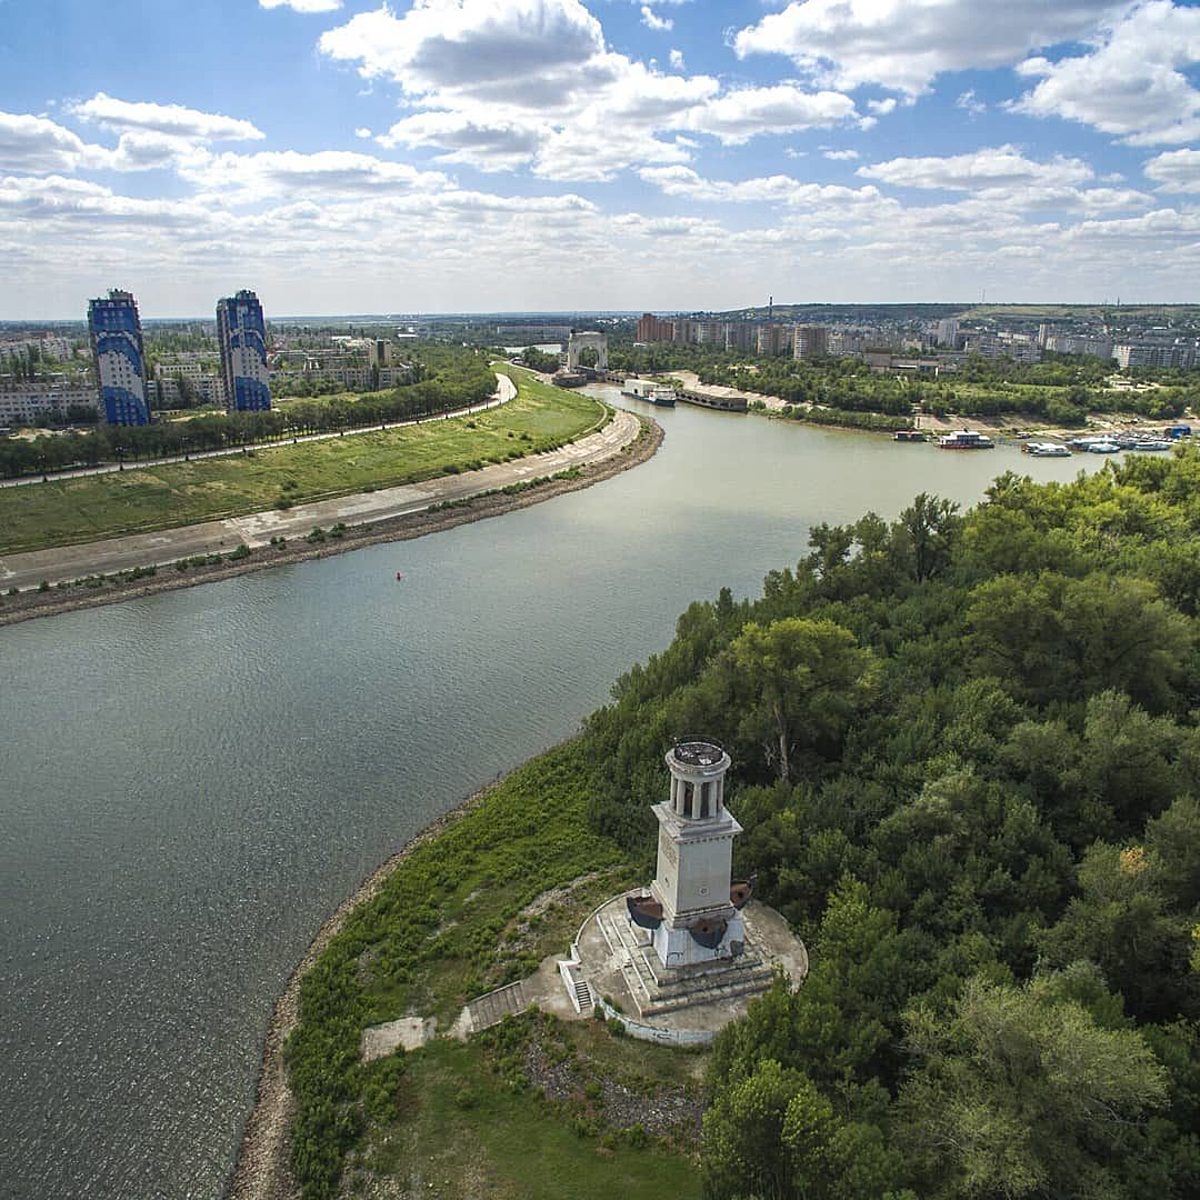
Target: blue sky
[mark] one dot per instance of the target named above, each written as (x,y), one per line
(458,155)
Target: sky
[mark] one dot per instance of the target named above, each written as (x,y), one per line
(340,156)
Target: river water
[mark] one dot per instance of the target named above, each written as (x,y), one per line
(190,782)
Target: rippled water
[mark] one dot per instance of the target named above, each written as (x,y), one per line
(189,783)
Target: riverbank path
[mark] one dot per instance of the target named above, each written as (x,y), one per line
(257,529)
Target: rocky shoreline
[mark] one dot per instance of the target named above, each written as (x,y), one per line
(31,604)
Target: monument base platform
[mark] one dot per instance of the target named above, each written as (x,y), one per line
(618,962)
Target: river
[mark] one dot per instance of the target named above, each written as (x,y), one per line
(190,782)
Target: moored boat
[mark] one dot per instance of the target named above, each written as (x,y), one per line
(966,439)
(1046,450)
(909,435)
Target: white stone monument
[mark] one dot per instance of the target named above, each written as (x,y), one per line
(701,919)
(580,340)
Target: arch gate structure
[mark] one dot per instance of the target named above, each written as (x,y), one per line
(580,341)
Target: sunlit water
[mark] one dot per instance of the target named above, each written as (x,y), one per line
(189,783)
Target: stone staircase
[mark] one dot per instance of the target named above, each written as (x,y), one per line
(655,989)
(585,1001)
(489,1010)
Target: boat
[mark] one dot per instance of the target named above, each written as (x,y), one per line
(1150,444)
(909,435)
(399,576)
(1046,450)
(966,439)
(1102,446)
(664,397)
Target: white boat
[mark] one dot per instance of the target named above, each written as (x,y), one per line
(1047,450)
(966,439)
(1102,446)
(1149,444)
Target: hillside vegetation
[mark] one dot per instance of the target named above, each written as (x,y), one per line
(967,757)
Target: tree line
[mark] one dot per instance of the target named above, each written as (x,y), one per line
(453,378)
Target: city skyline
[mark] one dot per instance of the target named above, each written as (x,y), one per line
(547,155)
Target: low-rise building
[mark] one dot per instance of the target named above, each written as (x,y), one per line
(29,403)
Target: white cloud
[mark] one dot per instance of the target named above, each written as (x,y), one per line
(520,52)
(971,103)
(533,83)
(676,59)
(496,145)
(881,108)
(1133,84)
(251,178)
(840,155)
(363,132)
(992,167)
(171,119)
(904,44)
(785,108)
(771,189)
(303,6)
(653,21)
(29,143)
(1175,171)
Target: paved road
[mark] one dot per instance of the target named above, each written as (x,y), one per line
(505,392)
(257,529)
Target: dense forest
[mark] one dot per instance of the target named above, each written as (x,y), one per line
(448,377)
(967,753)
(967,760)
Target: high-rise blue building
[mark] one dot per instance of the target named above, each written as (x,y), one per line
(116,334)
(242,335)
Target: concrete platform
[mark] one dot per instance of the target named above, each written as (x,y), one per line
(616,960)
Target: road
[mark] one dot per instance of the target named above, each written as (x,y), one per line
(505,392)
(256,529)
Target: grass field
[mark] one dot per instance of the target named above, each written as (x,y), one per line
(531,1108)
(67,511)
(461,1129)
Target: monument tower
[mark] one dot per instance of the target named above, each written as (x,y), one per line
(694,907)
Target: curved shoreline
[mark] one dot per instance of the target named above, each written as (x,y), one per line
(30,605)
(262,1170)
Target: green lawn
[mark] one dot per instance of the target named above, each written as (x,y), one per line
(79,510)
(461,1129)
(496,892)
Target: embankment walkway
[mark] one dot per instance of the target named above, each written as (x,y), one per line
(257,529)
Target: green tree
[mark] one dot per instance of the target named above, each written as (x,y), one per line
(799,683)
(1019,1093)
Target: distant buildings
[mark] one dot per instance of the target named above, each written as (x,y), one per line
(1156,353)
(242,341)
(810,341)
(116,336)
(947,333)
(1059,343)
(57,399)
